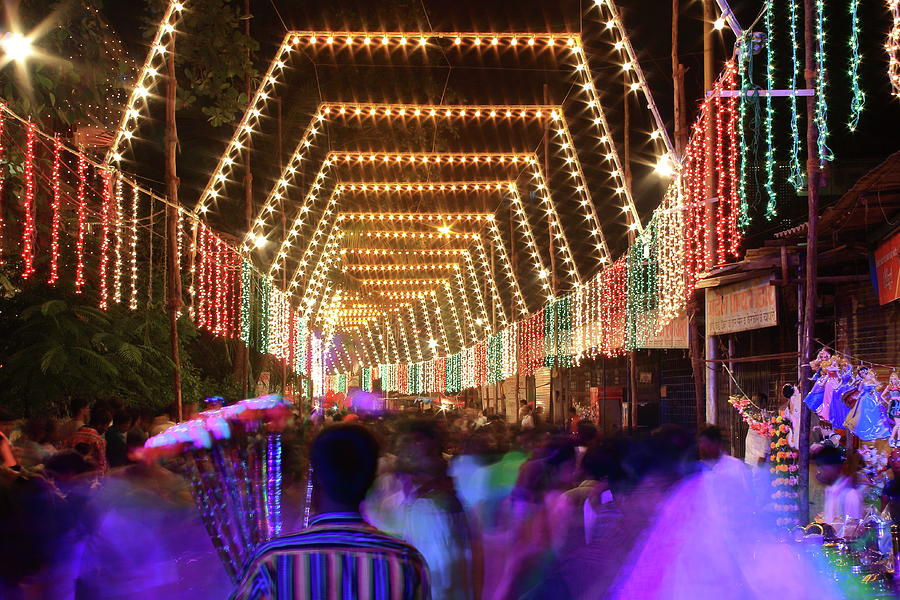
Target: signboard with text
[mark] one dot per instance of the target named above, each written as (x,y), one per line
(743,306)
(887,269)
(673,335)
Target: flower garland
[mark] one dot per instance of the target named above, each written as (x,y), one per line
(783,466)
(751,415)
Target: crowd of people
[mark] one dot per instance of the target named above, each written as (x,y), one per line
(447,506)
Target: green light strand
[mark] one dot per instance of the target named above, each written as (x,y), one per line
(772,202)
(858,102)
(246,271)
(366,379)
(265,289)
(797,176)
(746,83)
(495,358)
(454,373)
(821,114)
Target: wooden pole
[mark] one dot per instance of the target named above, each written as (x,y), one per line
(678,83)
(709,74)
(242,365)
(173,273)
(809,313)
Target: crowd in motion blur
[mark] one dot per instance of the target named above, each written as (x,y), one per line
(460,505)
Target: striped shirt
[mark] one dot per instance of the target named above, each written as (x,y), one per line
(338,557)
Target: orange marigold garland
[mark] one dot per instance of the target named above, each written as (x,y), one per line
(783,466)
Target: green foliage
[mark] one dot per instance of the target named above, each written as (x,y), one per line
(54,346)
(78,72)
(214,59)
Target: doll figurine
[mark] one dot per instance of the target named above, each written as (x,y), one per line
(832,382)
(816,395)
(868,419)
(839,406)
(891,397)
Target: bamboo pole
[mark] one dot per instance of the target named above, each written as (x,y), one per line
(173,274)
(809,312)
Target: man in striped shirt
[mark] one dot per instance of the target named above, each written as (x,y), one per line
(339,556)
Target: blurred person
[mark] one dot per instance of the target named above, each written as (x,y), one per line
(481,420)
(711,449)
(7,456)
(34,446)
(589,506)
(116,439)
(427,512)
(572,421)
(526,417)
(339,551)
(836,470)
(890,495)
(80,411)
(140,430)
(162,421)
(189,410)
(89,438)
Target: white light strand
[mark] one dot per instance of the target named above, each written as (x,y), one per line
(492,283)
(506,265)
(556,224)
(485,323)
(245,128)
(147,78)
(454,314)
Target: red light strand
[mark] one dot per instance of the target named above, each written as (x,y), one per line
(105,227)
(28,231)
(54,208)
(82,224)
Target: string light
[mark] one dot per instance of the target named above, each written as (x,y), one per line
(408,267)
(746,83)
(821,101)
(479,293)
(106,218)
(492,284)
(117,251)
(54,208)
(892,46)
(82,224)
(133,236)
(419,217)
(858,101)
(28,231)
(797,176)
(771,204)
(147,77)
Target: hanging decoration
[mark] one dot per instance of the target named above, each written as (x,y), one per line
(784,470)
(797,176)
(892,47)
(768,120)
(821,112)
(133,236)
(858,99)
(82,224)
(481,364)
(613,302)
(54,208)
(117,231)
(748,94)
(531,343)
(105,227)
(495,358)
(558,333)
(642,286)
(28,231)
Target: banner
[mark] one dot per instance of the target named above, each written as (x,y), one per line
(743,306)
(673,335)
(887,269)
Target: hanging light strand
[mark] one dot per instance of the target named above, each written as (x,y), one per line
(29,231)
(55,205)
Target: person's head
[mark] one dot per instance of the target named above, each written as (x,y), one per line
(586,433)
(188,410)
(344,460)
(100,419)
(830,462)
(80,409)
(123,420)
(710,443)
(603,463)
(67,465)
(572,412)
(7,423)
(527,409)
(419,446)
